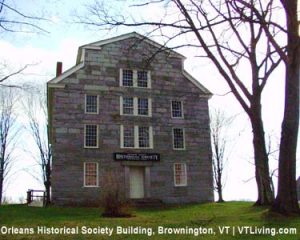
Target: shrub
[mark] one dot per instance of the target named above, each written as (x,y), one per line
(113,199)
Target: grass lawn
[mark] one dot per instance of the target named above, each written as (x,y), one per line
(233,216)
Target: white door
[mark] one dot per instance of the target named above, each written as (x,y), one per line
(137,182)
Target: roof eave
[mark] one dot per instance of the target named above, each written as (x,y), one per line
(204,90)
(65,74)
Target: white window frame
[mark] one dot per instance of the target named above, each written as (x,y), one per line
(173,138)
(135,107)
(184,184)
(136,137)
(121,78)
(138,107)
(122,137)
(122,109)
(84,136)
(85,102)
(135,78)
(182,114)
(84,175)
(148,78)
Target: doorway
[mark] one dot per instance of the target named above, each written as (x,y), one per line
(137,182)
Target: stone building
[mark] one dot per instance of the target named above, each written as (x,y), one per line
(129,107)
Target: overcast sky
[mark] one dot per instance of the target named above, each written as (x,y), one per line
(61,44)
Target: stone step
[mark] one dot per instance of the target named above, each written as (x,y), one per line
(146,202)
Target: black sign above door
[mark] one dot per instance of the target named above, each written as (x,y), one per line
(136,156)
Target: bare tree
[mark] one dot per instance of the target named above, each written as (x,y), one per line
(36,112)
(16,20)
(7,74)
(286,201)
(7,135)
(13,19)
(219,124)
(219,31)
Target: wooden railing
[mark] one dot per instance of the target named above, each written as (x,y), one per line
(36,196)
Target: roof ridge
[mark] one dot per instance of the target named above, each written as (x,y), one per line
(126,36)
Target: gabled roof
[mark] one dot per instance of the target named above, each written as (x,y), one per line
(55,82)
(98,44)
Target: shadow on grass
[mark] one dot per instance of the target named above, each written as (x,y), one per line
(271,217)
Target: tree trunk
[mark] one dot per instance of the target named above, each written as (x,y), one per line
(47,187)
(286,200)
(48,183)
(1,189)
(220,195)
(262,174)
(1,179)
(219,183)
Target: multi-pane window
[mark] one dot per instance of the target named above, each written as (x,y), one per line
(177,109)
(135,106)
(90,174)
(135,78)
(142,79)
(143,106)
(178,138)
(127,77)
(91,103)
(91,136)
(128,134)
(128,105)
(143,137)
(136,137)
(180,175)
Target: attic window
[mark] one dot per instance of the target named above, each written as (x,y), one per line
(142,79)
(127,78)
(135,78)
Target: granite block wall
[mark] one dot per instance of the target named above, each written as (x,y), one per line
(100,76)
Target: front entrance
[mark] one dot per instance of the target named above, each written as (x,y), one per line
(136,181)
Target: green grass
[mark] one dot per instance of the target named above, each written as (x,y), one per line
(231,214)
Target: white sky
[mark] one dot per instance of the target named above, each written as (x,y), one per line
(61,44)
